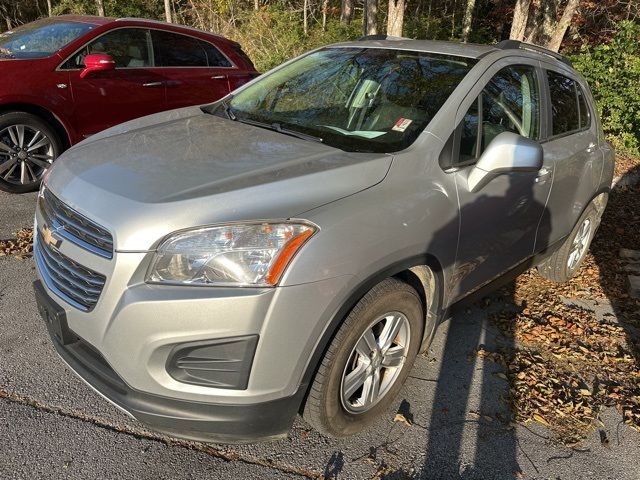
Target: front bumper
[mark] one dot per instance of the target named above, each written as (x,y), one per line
(127,341)
(226,423)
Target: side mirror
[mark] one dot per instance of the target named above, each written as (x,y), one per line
(97,62)
(508,152)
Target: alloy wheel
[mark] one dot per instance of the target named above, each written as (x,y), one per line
(375,362)
(580,244)
(25,154)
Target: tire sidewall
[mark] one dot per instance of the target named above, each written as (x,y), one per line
(405,301)
(13,118)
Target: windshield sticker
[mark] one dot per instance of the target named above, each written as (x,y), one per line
(402,124)
(355,133)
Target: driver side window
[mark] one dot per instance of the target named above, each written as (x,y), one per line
(129,47)
(510,102)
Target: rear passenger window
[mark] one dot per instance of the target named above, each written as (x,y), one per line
(510,102)
(564,104)
(175,50)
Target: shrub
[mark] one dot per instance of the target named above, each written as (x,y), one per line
(273,35)
(613,72)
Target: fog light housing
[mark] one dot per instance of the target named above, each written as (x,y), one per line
(222,363)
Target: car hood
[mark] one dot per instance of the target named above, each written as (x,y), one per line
(181,169)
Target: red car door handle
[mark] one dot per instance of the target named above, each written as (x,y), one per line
(218,77)
(152,84)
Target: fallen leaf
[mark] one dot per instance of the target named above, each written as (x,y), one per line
(401,419)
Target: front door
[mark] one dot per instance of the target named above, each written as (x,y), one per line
(498,224)
(134,89)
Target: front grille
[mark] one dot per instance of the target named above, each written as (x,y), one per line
(75,227)
(75,284)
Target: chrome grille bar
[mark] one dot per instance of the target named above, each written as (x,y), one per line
(74,226)
(75,284)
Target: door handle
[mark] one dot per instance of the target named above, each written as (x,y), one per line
(591,148)
(152,84)
(218,77)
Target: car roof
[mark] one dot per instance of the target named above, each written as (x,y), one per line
(93,19)
(457,49)
(469,50)
(168,25)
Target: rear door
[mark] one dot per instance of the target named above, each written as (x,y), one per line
(573,146)
(132,90)
(196,71)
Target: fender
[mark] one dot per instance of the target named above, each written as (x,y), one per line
(33,105)
(354,296)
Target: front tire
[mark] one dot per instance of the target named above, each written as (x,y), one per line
(368,360)
(28,147)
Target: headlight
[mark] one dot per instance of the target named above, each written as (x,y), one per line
(252,254)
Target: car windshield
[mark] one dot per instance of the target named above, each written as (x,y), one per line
(355,99)
(41,38)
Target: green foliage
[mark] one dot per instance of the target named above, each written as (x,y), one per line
(112,8)
(273,35)
(613,72)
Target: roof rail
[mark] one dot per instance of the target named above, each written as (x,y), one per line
(381,37)
(518,45)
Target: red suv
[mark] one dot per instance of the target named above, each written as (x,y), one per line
(65,78)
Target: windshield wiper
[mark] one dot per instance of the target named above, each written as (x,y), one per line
(6,53)
(214,108)
(227,110)
(276,127)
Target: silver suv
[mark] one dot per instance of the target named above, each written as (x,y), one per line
(215,270)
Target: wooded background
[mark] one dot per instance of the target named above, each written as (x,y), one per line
(602,37)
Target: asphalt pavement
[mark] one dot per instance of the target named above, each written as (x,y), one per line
(458,422)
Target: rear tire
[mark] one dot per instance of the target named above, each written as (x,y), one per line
(28,146)
(347,394)
(565,262)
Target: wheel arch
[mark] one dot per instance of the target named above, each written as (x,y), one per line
(42,113)
(422,272)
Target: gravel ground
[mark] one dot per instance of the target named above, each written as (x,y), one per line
(16,211)
(53,426)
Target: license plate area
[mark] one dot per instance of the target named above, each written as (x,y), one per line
(54,316)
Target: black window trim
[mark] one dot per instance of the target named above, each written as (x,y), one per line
(148,29)
(576,84)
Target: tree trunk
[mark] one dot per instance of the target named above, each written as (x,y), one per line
(542,22)
(305,16)
(564,22)
(370,13)
(346,15)
(325,7)
(428,18)
(467,20)
(395,18)
(256,5)
(49,8)
(100,7)
(520,18)
(167,10)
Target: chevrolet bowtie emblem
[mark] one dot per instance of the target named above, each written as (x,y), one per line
(48,237)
